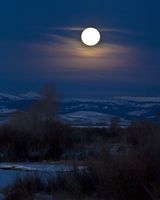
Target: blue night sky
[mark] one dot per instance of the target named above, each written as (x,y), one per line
(40,43)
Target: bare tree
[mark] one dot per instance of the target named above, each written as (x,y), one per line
(43,110)
(49,103)
(115,123)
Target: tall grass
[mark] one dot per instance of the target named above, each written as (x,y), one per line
(72,185)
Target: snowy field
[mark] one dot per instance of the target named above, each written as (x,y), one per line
(10,171)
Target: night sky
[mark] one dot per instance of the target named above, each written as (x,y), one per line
(40,43)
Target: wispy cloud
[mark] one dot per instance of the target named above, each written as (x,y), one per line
(64,55)
(99,28)
(71,52)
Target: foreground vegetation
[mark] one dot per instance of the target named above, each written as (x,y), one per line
(122,163)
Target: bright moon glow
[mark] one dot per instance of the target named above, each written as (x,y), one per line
(90,36)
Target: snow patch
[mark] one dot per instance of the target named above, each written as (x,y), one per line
(10,97)
(138,113)
(139,99)
(31,95)
(7,111)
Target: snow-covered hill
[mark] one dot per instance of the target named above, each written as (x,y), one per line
(88,111)
(10,97)
(30,95)
(5,96)
(93,111)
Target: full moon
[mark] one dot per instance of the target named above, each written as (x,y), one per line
(90,36)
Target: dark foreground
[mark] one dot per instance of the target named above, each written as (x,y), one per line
(118,163)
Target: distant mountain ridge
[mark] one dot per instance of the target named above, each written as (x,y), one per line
(88,111)
(28,95)
(35,95)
